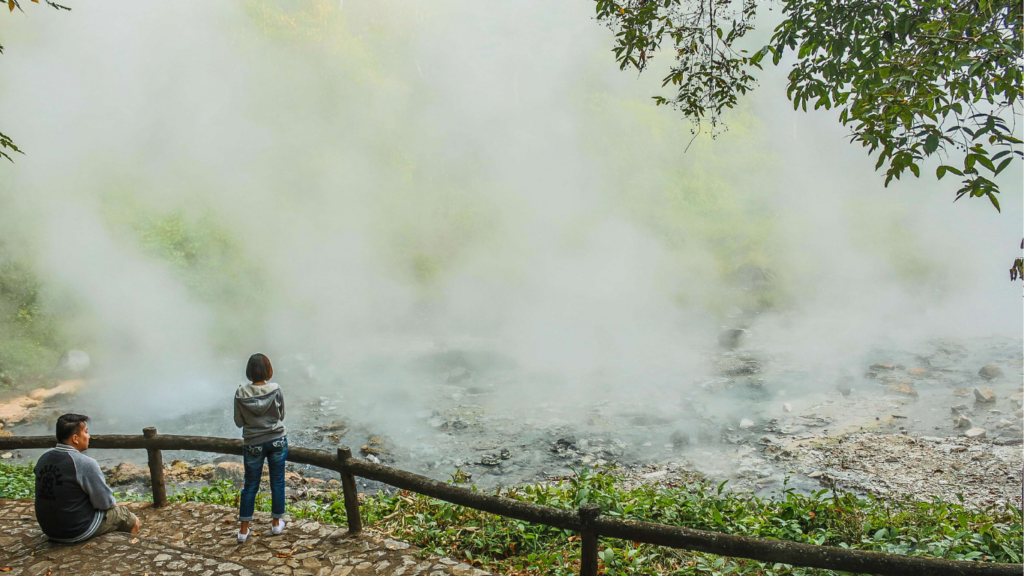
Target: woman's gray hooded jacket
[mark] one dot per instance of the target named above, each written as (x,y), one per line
(259,412)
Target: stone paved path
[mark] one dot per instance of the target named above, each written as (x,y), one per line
(193,538)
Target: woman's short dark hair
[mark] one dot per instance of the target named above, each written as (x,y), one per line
(68,425)
(259,368)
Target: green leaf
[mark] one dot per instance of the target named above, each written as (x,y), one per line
(1003,165)
(717,515)
(995,202)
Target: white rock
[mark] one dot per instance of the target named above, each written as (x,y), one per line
(975,433)
(787,407)
(746,423)
(395,544)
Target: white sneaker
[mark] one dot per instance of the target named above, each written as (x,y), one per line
(242,537)
(275,530)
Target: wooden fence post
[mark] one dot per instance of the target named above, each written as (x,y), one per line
(588,539)
(348,487)
(156,470)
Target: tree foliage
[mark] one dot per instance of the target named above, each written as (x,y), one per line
(12,4)
(911,78)
(708,72)
(6,142)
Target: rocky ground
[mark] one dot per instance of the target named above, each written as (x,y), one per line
(982,472)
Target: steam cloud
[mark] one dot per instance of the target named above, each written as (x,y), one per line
(413,177)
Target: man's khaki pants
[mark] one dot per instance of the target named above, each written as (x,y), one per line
(117,519)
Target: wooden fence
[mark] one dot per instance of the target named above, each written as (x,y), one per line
(587,521)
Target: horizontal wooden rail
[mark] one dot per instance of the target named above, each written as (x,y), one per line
(794,553)
(763,549)
(508,507)
(318,458)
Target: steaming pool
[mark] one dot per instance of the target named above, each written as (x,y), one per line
(758,420)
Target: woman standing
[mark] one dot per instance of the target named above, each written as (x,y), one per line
(259,412)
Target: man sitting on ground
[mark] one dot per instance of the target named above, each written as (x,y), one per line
(73,501)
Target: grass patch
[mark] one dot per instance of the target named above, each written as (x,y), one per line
(935,528)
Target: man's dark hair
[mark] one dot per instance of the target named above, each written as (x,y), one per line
(259,368)
(68,425)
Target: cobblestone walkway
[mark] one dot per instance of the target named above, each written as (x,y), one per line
(199,539)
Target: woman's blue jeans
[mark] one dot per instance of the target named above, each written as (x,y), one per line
(274,452)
